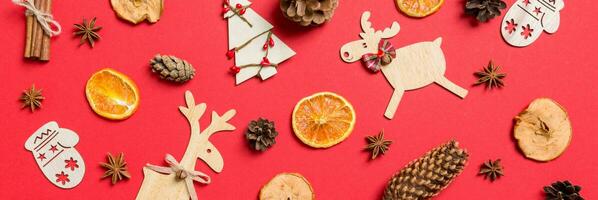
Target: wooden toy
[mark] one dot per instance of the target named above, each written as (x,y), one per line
(53,149)
(406,68)
(527,19)
(176,180)
(256,49)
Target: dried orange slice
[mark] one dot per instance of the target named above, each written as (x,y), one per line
(419,8)
(323,119)
(112,94)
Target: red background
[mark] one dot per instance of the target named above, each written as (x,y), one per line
(560,66)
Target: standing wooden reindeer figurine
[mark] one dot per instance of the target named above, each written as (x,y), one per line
(176,181)
(406,68)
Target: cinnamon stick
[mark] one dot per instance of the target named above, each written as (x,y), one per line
(34,29)
(39,32)
(28,37)
(45,52)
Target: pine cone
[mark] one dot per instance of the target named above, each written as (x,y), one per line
(261,134)
(428,175)
(484,10)
(308,12)
(562,191)
(172,68)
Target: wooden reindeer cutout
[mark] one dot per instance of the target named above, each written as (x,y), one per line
(176,181)
(407,68)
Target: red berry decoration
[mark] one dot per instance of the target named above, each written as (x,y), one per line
(265,62)
(270,42)
(265,46)
(380,53)
(225,9)
(242,11)
(230,53)
(235,69)
(238,6)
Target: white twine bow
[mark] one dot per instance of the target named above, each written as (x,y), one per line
(181,173)
(43,18)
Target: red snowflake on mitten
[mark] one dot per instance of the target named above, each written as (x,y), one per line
(527,31)
(41,156)
(538,11)
(53,148)
(511,26)
(62,178)
(71,164)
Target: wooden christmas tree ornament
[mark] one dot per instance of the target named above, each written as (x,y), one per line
(257,51)
(176,180)
(526,19)
(406,68)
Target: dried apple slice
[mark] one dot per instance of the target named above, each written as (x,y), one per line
(287,186)
(136,11)
(543,130)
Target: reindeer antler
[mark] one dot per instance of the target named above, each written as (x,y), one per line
(366,25)
(367,28)
(193,112)
(389,32)
(220,123)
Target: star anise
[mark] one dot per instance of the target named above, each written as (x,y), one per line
(32,98)
(377,144)
(116,167)
(490,76)
(492,169)
(88,31)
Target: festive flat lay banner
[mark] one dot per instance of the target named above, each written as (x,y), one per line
(551,77)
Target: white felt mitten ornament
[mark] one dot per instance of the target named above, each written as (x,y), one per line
(527,19)
(53,149)
(551,20)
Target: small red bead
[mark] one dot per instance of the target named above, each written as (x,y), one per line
(242,11)
(265,46)
(235,69)
(380,53)
(230,53)
(271,42)
(238,6)
(265,62)
(225,9)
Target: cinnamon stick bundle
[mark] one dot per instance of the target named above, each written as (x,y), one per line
(37,43)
